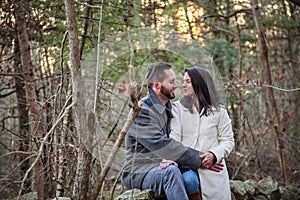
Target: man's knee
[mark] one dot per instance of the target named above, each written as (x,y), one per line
(172,172)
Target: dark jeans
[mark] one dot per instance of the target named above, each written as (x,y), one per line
(166,182)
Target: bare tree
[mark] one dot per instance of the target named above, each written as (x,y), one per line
(33,106)
(272,109)
(23,114)
(81,183)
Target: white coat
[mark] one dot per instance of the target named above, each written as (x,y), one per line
(208,133)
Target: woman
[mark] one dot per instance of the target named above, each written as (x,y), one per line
(202,123)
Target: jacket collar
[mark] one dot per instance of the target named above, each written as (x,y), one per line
(188,104)
(194,110)
(158,105)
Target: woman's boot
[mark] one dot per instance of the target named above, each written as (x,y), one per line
(195,196)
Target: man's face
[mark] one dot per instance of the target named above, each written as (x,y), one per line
(169,84)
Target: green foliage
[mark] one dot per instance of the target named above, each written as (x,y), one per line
(224,53)
(141,58)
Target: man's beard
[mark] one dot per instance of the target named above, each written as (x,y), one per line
(167,92)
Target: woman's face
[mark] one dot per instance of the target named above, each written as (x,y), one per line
(187,85)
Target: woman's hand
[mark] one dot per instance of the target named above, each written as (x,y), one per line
(218,167)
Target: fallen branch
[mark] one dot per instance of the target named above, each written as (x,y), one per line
(114,151)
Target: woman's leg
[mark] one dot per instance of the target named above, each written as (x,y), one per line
(191,181)
(192,184)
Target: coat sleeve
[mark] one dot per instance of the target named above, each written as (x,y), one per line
(176,130)
(225,136)
(148,129)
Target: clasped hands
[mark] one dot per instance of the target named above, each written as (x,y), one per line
(207,162)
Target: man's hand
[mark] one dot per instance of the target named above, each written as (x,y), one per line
(207,159)
(166,163)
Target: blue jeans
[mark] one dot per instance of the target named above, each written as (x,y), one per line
(166,182)
(191,181)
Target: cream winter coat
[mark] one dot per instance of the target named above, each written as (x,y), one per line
(208,133)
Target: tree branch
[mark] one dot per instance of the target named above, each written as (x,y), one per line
(296,2)
(281,89)
(246,10)
(44,140)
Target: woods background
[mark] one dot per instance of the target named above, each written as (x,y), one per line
(44,44)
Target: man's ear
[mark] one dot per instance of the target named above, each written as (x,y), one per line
(156,85)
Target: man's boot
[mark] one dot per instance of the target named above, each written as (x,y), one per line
(195,196)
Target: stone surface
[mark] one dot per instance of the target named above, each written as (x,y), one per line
(238,190)
(136,194)
(289,192)
(265,189)
(267,185)
(28,196)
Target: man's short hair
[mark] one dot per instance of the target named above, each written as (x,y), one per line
(156,72)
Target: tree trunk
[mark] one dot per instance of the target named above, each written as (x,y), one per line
(23,114)
(33,107)
(86,14)
(81,183)
(272,109)
(292,54)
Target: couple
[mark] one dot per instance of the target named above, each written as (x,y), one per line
(165,143)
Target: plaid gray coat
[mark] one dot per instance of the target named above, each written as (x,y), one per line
(147,142)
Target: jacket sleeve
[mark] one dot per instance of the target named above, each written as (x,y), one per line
(148,129)
(176,130)
(225,136)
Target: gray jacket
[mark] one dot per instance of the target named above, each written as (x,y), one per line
(147,142)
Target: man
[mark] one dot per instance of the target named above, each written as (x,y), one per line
(147,141)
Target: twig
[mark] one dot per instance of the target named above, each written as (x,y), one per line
(15,152)
(44,139)
(98,56)
(114,185)
(281,89)
(88,5)
(247,10)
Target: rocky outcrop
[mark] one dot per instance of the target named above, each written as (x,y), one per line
(136,194)
(265,189)
(33,196)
